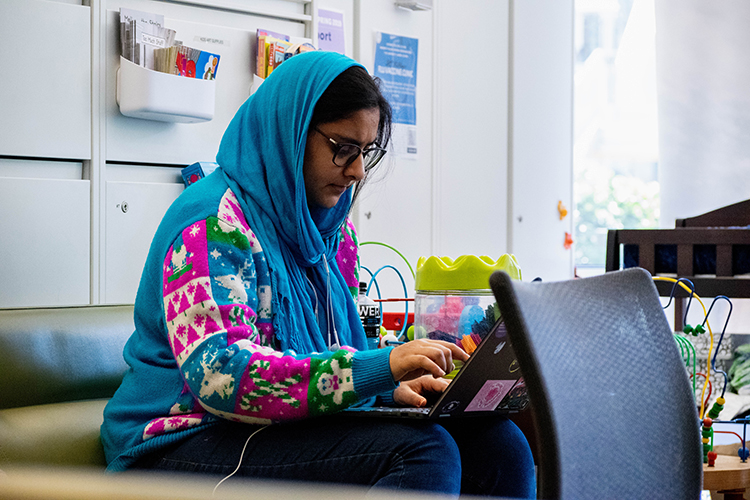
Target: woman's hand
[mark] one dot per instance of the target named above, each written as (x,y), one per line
(409,393)
(424,356)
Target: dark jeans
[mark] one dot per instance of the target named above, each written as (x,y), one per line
(480,456)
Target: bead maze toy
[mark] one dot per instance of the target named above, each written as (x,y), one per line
(687,351)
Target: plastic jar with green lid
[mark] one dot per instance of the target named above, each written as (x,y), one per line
(453,299)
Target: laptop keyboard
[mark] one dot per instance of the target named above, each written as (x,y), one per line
(389,411)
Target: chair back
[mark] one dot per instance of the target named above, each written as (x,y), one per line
(615,413)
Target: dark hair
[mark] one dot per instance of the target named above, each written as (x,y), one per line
(351,91)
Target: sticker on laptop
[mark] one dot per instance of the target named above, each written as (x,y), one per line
(517,399)
(490,395)
(449,407)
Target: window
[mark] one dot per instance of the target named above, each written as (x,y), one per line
(615,148)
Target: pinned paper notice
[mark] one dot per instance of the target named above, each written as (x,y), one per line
(396,66)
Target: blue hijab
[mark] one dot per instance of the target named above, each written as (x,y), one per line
(262,155)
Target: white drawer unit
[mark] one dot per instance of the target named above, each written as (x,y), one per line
(45,243)
(46,79)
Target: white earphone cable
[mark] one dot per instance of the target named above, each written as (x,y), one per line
(329,308)
(242,455)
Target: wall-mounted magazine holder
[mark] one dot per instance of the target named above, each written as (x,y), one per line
(152,95)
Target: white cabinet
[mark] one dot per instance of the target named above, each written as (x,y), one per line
(77,231)
(134,210)
(45,244)
(45,100)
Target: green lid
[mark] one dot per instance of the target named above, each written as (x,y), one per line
(467,272)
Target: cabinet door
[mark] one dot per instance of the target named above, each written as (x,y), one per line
(540,137)
(134,210)
(44,247)
(148,141)
(46,79)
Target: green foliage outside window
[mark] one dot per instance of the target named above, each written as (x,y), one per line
(608,200)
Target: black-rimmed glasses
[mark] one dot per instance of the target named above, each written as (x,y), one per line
(344,154)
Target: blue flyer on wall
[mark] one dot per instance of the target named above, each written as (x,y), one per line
(396,65)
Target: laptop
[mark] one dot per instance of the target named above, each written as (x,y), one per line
(488,383)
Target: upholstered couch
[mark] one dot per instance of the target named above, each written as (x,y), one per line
(58,367)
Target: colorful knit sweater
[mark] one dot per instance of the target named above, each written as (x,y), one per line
(207,349)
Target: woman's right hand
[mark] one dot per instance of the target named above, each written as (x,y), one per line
(424,356)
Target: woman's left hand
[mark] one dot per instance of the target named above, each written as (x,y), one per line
(409,393)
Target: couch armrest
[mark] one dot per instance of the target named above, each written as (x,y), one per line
(50,355)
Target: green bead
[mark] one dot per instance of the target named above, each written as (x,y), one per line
(687,329)
(699,329)
(410,332)
(715,410)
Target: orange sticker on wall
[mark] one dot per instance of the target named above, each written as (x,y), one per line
(568,241)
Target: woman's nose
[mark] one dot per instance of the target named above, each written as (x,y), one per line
(356,169)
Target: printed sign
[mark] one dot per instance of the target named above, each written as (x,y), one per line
(396,66)
(331,31)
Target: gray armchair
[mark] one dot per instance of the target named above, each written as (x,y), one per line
(615,413)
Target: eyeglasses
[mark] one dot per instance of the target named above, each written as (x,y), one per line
(344,154)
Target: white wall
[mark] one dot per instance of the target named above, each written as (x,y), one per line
(395,208)
(704,105)
(501,138)
(471,128)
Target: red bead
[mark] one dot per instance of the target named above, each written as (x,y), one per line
(707,422)
(712,458)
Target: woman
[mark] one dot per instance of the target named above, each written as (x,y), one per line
(244,319)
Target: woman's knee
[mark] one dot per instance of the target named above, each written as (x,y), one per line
(510,472)
(428,458)
(437,443)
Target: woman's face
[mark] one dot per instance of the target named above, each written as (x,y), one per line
(325,182)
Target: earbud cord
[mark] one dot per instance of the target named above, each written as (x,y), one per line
(329,307)
(242,455)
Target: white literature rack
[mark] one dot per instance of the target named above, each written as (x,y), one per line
(152,95)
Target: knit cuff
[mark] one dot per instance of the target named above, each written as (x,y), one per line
(386,399)
(371,371)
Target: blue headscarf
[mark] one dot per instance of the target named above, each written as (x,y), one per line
(262,155)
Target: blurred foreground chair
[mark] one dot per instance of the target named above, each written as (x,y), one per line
(615,413)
